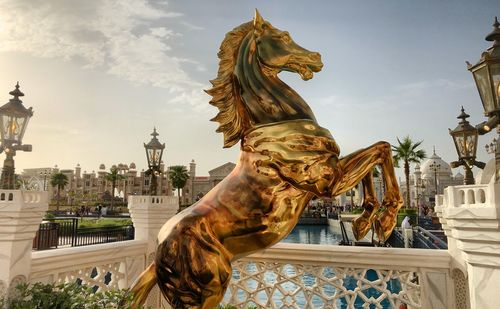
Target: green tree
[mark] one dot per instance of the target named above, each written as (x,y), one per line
(407,152)
(179,176)
(59,181)
(113,176)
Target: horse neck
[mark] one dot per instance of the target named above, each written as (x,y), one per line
(265,96)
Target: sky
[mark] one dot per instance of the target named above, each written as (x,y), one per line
(100,74)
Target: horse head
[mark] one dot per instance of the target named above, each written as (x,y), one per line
(277,51)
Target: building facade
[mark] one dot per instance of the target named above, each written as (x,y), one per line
(198,186)
(429,179)
(92,187)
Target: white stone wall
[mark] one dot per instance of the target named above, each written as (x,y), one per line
(20,215)
(470,216)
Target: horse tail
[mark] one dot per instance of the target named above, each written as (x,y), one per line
(142,286)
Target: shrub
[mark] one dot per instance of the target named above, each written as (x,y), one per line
(63,296)
(70,296)
(103,223)
(49,217)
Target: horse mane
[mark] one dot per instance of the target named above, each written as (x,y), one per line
(233,116)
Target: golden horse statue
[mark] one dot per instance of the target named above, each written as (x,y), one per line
(286,159)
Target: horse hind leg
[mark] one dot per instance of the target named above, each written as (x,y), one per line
(362,224)
(392,202)
(355,167)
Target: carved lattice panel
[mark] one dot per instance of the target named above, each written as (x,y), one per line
(277,285)
(102,277)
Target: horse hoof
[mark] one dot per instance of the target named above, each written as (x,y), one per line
(384,225)
(360,227)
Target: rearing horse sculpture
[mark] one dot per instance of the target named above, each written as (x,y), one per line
(286,158)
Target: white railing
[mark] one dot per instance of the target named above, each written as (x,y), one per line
(18,196)
(319,276)
(286,275)
(467,196)
(106,266)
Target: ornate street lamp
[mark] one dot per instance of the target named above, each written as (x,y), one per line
(154,152)
(434,166)
(45,173)
(487,77)
(492,147)
(465,139)
(419,185)
(14,119)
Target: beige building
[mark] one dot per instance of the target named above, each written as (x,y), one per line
(198,186)
(92,186)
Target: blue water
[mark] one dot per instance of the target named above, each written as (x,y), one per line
(317,234)
(313,234)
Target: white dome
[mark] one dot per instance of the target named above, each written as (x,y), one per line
(443,169)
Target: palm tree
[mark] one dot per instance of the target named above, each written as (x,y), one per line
(178,175)
(113,176)
(407,152)
(58,180)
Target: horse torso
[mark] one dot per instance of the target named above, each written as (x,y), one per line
(260,202)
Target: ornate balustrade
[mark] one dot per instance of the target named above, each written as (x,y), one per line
(319,276)
(467,195)
(286,275)
(106,266)
(470,216)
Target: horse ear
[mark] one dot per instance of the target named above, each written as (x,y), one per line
(258,23)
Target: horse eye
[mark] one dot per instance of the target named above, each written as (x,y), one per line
(286,38)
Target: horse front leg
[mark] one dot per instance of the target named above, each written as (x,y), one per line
(357,167)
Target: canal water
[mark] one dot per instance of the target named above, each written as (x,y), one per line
(317,234)
(313,234)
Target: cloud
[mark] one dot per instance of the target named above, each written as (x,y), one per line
(191,26)
(418,87)
(121,37)
(402,94)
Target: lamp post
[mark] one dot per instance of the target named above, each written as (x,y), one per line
(492,147)
(465,139)
(487,77)
(435,168)
(45,173)
(418,185)
(154,152)
(14,119)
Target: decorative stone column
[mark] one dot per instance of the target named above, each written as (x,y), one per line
(470,216)
(20,215)
(148,214)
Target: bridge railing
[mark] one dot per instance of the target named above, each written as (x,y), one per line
(319,276)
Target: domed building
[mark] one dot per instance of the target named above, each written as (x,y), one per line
(430,179)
